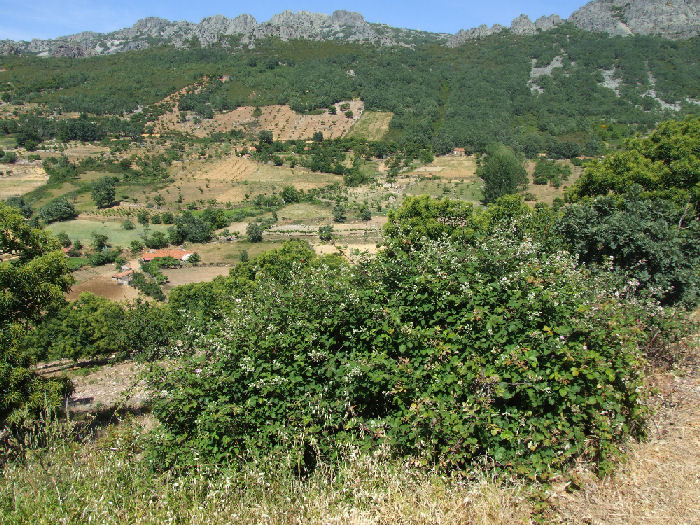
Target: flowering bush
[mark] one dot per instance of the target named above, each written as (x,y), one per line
(499,353)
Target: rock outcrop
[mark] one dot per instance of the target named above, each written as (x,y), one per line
(522,25)
(675,19)
(669,18)
(341,25)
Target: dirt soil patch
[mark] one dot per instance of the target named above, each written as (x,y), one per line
(104,287)
(100,387)
(98,280)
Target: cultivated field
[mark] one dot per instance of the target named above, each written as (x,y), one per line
(104,286)
(232,178)
(82,230)
(98,280)
(304,212)
(449,167)
(230,252)
(192,274)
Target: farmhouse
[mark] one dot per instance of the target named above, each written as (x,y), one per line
(459,151)
(123,277)
(175,253)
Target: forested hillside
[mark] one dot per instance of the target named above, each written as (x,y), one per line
(564,91)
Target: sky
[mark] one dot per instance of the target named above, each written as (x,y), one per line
(24,20)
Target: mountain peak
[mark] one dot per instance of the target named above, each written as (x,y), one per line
(670,19)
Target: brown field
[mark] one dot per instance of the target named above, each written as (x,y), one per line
(18,179)
(196,274)
(449,167)
(284,123)
(103,286)
(351,251)
(231,178)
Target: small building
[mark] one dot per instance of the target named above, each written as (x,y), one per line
(459,151)
(123,277)
(175,253)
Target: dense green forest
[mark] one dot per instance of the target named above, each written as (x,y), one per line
(470,96)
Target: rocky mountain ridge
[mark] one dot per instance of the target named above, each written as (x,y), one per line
(341,25)
(675,19)
(670,18)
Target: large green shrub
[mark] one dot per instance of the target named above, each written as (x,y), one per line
(95,327)
(89,327)
(651,241)
(498,353)
(502,173)
(58,210)
(104,191)
(665,164)
(190,228)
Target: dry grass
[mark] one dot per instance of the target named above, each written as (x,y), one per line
(189,275)
(372,125)
(303,212)
(100,387)
(77,151)
(18,179)
(449,167)
(230,252)
(659,482)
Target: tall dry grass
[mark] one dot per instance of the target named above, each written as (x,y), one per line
(106,480)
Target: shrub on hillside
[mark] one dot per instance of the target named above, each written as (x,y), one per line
(34,283)
(646,240)
(501,354)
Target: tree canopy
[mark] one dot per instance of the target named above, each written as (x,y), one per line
(34,276)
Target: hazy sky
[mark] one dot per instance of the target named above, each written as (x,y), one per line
(26,19)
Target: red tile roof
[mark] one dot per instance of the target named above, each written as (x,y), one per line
(175,253)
